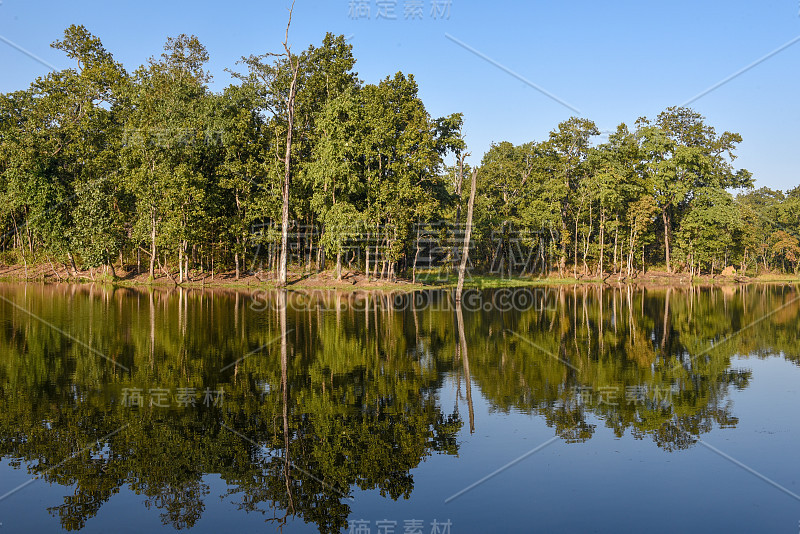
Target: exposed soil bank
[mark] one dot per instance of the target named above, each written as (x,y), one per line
(355,280)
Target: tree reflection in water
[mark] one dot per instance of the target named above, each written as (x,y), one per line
(328,394)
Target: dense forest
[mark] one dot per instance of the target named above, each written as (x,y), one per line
(301,162)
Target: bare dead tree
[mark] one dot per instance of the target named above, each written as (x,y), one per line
(458,182)
(467,236)
(294,65)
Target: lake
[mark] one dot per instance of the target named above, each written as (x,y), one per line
(568,409)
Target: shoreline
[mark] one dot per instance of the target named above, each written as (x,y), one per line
(354,281)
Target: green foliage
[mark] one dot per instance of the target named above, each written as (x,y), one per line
(98,164)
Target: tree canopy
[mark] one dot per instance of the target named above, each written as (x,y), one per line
(150,170)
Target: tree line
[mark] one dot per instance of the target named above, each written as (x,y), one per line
(299,161)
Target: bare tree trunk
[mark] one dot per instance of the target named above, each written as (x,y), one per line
(166,270)
(287,160)
(644,263)
(562,263)
(111,266)
(467,236)
(186,257)
(575,259)
(457,186)
(616,242)
(153,250)
(602,239)
(310,234)
(631,249)
(18,236)
(586,238)
(667,231)
(377,251)
(30,242)
(510,259)
(72,263)
(366,265)
(52,267)
(416,257)
(236,258)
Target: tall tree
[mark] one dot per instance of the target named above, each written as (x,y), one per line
(682,154)
(571,143)
(166,143)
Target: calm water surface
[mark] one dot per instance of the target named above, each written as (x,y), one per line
(574,409)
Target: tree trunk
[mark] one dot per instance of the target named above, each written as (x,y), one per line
(602,239)
(153,250)
(72,263)
(644,266)
(377,251)
(186,257)
(667,231)
(366,266)
(53,267)
(631,251)
(236,259)
(416,257)
(457,190)
(616,242)
(166,270)
(287,160)
(562,264)
(586,238)
(180,264)
(575,259)
(310,238)
(467,236)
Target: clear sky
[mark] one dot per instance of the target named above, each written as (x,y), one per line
(612,61)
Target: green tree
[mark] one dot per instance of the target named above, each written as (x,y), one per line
(681,155)
(571,143)
(167,143)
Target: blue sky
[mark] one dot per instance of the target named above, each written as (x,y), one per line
(612,61)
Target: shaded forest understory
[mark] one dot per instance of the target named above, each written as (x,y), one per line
(301,166)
